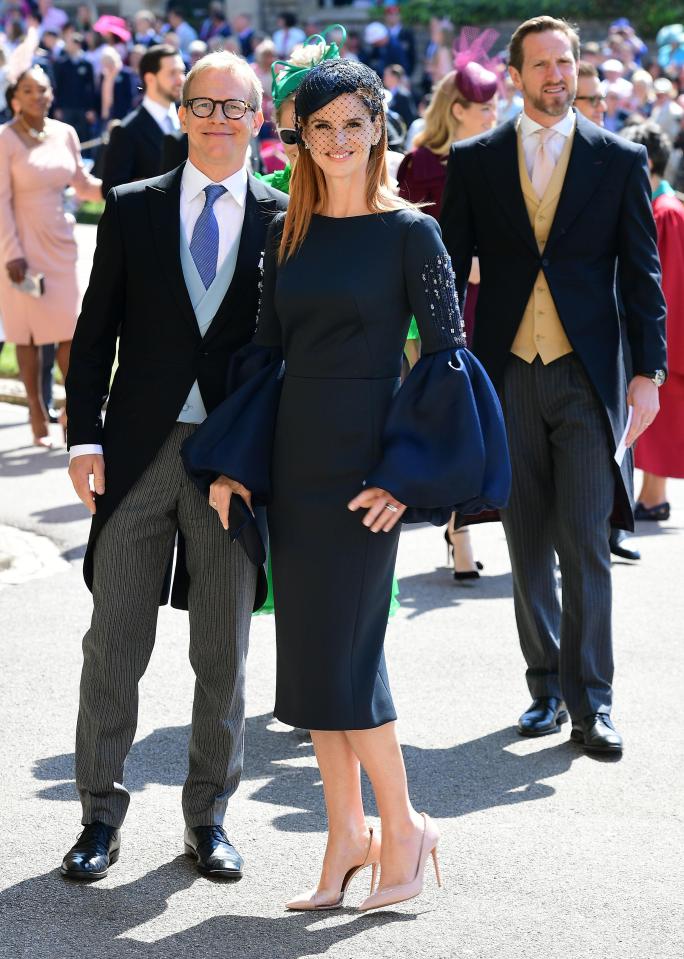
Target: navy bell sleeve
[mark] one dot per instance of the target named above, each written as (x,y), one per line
(236,439)
(444,441)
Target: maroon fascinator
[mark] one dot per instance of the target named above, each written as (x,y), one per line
(476,83)
(475,79)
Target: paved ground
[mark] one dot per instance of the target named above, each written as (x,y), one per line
(545,851)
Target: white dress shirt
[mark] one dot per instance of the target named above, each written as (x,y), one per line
(554,144)
(165,117)
(229,210)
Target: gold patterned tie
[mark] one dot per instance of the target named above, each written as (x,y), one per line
(542,169)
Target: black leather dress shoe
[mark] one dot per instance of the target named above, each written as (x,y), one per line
(545,715)
(212,851)
(617,541)
(95,851)
(597,734)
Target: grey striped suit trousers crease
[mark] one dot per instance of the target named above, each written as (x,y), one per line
(130,562)
(561,502)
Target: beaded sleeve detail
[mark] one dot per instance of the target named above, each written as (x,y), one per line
(442,301)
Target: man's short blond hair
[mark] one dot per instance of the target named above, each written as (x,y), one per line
(231,63)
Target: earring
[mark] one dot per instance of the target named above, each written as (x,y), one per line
(306,145)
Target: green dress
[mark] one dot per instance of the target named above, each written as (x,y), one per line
(280,180)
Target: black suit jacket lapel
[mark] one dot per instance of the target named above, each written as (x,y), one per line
(251,245)
(586,168)
(498,154)
(149,128)
(164,203)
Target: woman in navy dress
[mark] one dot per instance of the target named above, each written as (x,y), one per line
(340,453)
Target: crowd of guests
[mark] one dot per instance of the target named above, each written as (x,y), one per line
(116,83)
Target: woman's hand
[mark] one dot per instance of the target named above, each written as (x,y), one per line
(220,493)
(17,270)
(384,512)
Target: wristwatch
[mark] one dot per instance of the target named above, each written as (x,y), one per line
(657,376)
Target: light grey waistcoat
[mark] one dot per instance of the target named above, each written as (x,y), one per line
(205,303)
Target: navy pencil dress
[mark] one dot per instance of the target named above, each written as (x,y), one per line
(315,411)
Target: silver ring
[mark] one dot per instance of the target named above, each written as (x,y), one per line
(391,507)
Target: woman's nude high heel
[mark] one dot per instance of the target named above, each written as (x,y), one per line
(318,901)
(409,890)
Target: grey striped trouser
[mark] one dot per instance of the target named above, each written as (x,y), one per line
(131,557)
(561,502)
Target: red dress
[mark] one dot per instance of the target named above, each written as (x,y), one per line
(421,177)
(661,448)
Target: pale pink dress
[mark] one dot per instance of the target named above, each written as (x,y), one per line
(35,226)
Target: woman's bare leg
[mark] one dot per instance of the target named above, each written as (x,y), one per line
(348,834)
(653,490)
(62,356)
(28,359)
(380,755)
(464,561)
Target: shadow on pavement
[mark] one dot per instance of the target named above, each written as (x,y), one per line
(61,514)
(27,461)
(448,782)
(46,915)
(425,592)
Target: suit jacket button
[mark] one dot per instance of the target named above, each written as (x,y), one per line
(545,262)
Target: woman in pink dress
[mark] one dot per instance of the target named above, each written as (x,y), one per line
(39,158)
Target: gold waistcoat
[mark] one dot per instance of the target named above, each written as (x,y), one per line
(541,331)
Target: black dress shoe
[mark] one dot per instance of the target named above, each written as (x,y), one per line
(545,715)
(95,851)
(617,539)
(212,851)
(597,734)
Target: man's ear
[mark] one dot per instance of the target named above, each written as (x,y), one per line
(257,122)
(183,118)
(515,77)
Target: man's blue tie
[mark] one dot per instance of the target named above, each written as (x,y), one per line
(205,236)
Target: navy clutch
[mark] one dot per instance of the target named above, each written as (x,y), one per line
(242,526)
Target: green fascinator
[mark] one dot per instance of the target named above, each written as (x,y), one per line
(288,74)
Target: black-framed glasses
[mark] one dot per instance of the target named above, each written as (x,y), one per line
(288,136)
(595,100)
(203,107)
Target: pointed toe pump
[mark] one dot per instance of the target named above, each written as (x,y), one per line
(319,900)
(409,890)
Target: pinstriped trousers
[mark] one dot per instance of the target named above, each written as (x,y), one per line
(131,557)
(561,502)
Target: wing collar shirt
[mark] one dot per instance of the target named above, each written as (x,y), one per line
(528,127)
(166,118)
(229,210)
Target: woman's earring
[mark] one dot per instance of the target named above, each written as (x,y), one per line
(306,145)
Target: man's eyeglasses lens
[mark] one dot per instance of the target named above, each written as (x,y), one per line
(203,107)
(593,100)
(288,136)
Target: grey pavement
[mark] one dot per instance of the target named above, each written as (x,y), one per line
(545,851)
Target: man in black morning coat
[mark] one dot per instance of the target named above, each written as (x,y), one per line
(135,147)
(553,206)
(176,278)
